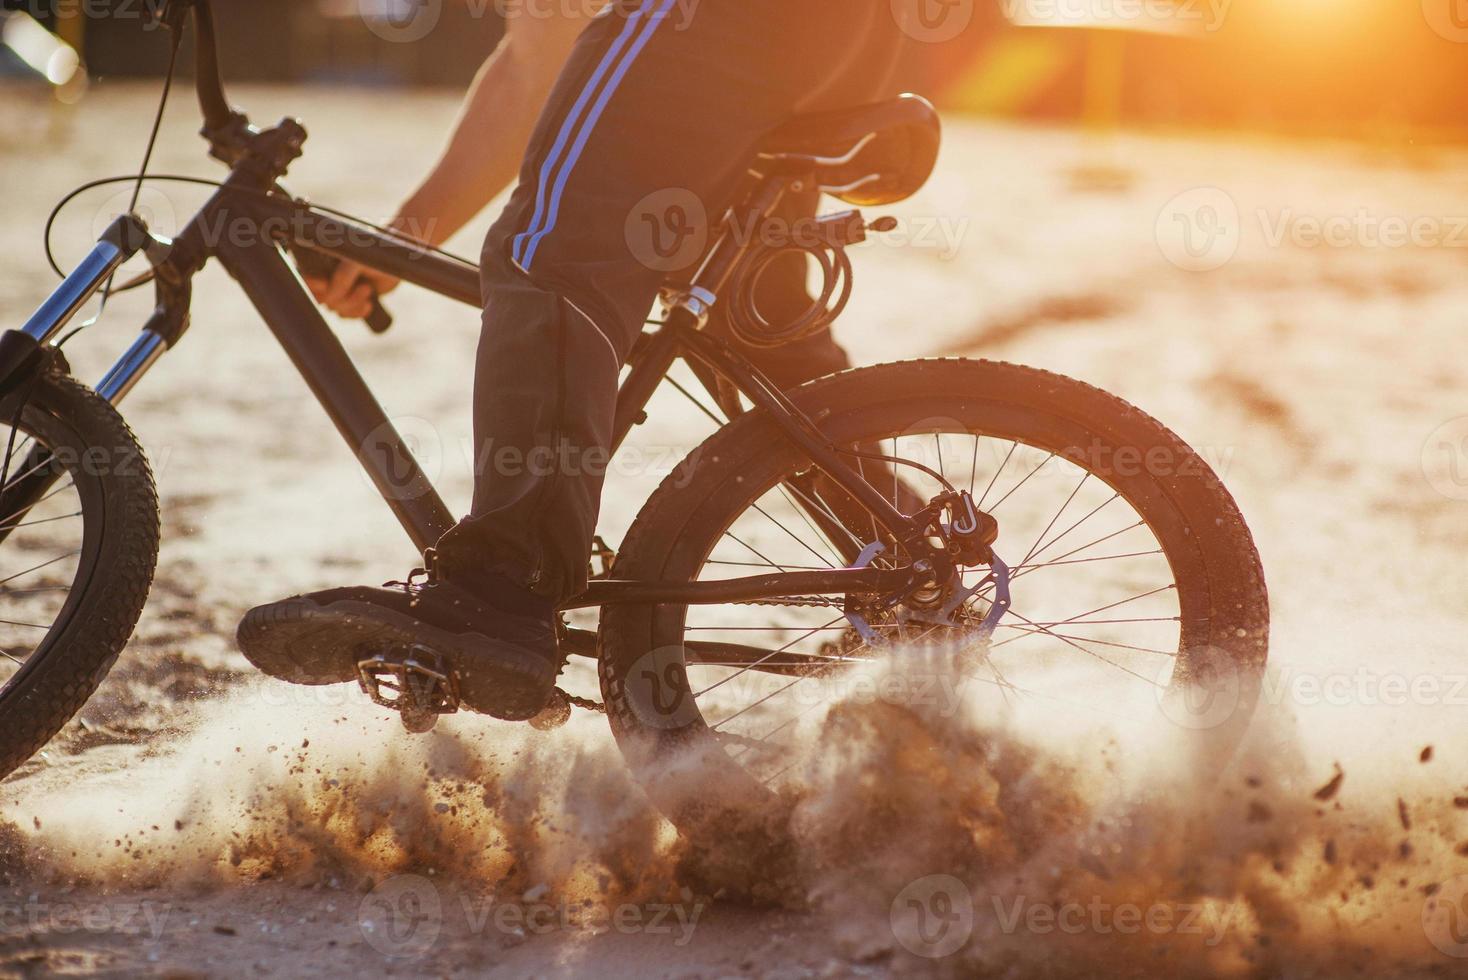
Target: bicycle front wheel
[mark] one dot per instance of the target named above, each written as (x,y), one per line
(1132,576)
(78,547)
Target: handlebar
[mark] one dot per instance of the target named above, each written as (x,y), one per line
(223,125)
(229,131)
(208,81)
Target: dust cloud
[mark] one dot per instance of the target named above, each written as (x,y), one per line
(987,835)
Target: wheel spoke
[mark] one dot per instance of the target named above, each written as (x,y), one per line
(1058,563)
(1013,445)
(1087,639)
(1048,527)
(1021,483)
(44,520)
(1084,650)
(44,564)
(764,659)
(826,511)
(1066,520)
(30,626)
(1051,543)
(765,564)
(65,486)
(795,537)
(755,551)
(1085,547)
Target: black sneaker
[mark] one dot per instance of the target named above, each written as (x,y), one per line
(497,638)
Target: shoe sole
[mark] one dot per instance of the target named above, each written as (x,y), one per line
(304,643)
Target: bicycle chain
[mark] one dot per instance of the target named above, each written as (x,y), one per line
(579,702)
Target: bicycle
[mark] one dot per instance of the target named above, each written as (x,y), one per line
(779,517)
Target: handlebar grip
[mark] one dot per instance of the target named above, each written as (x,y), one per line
(320,265)
(379,320)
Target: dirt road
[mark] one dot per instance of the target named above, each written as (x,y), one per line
(1295,311)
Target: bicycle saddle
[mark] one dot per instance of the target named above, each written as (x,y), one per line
(867,156)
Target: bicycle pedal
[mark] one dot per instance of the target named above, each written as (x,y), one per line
(415,682)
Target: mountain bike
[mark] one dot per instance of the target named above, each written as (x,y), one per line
(1045,538)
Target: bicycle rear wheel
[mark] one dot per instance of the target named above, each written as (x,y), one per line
(1133,577)
(78,546)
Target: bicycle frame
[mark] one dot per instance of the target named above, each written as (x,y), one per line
(247,225)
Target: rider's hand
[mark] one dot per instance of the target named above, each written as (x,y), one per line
(349,291)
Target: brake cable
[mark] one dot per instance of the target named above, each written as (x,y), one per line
(144,278)
(141,177)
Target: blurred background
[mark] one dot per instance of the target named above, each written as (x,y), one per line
(1367,68)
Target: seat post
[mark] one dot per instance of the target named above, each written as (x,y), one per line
(740,224)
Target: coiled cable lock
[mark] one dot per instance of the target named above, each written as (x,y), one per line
(826,242)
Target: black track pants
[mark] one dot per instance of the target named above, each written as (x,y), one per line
(661,99)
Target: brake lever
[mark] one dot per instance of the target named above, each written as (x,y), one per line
(319,265)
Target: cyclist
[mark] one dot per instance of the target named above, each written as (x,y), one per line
(654,95)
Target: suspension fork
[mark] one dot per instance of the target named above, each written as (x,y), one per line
(21,351)
(25,354)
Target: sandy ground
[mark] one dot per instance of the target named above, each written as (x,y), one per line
(198,821)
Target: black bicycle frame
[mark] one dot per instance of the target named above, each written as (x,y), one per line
(249,224)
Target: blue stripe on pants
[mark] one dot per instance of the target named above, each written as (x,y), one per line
(530,246)
(568,128)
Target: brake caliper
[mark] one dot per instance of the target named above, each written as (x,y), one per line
(969,533)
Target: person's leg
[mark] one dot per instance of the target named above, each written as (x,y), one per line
(867,72)
(649,104)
